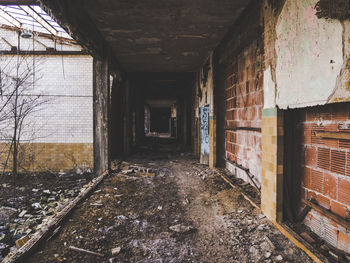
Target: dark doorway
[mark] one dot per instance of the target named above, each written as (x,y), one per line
(160,120)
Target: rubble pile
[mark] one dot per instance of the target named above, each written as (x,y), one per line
(129,169)
(27,204)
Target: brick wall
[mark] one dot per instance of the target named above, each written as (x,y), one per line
(244,102)
(326,170)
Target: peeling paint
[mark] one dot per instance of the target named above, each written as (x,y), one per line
(269,89)
(307,68)
(341,92)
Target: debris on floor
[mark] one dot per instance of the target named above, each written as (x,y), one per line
(186,213)
(28,201)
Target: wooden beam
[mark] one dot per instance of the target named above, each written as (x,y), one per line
(300,242)
(236,187)
(333,135)
(341,221)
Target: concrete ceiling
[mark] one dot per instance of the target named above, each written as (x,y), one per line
(163,35)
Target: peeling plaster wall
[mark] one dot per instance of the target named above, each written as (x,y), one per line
(206,86)
(309,56)
(205,97)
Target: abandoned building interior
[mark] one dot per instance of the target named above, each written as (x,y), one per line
(231,117)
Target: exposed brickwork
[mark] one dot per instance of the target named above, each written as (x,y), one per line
(244,102)
(326,164)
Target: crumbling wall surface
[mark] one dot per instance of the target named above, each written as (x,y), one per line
(101,101)
(326,170)
(205,98)
(309,55)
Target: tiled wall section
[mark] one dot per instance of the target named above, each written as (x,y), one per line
(326,170)
(52,157)
(272,163)
(244,102)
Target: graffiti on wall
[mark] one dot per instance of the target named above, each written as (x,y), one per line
(204,129)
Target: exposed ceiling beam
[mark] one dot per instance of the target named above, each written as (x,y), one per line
(31,12)
(18,2)
(9,18)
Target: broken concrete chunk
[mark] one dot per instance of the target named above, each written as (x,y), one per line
(22,213)
(182,228)
(115,251)
(279,258)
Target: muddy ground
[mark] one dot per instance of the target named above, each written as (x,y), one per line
(185,213)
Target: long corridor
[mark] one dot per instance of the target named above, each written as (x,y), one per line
(177,211)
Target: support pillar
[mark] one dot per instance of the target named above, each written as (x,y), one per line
(272,164)
(212,136)
(101,103)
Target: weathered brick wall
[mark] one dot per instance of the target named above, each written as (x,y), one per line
(326,170)
(244,102)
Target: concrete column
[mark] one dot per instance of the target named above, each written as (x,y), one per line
(272,164)
(101,104)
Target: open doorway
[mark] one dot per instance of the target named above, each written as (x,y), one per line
(160,120)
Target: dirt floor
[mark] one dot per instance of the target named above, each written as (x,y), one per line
(178,211)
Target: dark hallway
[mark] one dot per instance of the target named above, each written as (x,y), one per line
(219,131)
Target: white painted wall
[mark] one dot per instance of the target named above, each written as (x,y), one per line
(66,83)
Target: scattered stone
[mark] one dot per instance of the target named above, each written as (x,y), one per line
(4,249)
(46,192)
(159,207)
(7,214)
(115,251)
(182,229)
(279,258)
(261,227)
(36,205)
(270,242)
